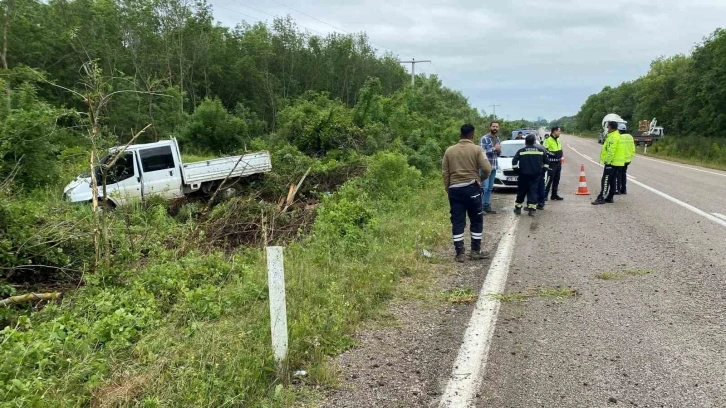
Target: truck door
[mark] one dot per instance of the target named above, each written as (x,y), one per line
(123,180)
(160,174)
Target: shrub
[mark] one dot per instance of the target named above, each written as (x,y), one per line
(212,129)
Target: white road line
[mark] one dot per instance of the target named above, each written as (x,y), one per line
(682,166)
(723,217)
(587,157)
(687,206)
(470,364)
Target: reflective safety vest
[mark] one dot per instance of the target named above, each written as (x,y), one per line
(612,153)
(628,144)
(530,160)
(554,146)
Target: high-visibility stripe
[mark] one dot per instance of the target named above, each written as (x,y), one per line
(458,239)
(531,152)
(473,235)
(532,206)
(459,236)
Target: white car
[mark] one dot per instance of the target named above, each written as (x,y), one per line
(506,178)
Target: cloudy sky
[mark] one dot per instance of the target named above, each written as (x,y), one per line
(533,57)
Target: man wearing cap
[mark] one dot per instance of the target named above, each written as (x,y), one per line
(612,158)
(628,146)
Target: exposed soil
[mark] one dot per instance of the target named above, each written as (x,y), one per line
(408,364)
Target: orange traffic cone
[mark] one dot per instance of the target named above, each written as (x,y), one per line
(582,189)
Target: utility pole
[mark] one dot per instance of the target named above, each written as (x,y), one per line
(494,110)
(413,63)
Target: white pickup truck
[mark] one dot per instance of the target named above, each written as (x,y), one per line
(144,170)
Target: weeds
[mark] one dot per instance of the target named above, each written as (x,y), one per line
(193,330)
(558,293)
(609,276)
(459,295)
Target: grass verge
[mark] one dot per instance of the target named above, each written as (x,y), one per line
(683,160)
(194,330)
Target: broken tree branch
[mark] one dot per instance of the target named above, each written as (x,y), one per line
(294,192)
(29,297)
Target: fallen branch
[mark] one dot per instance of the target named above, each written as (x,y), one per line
(291,198)
(29,297)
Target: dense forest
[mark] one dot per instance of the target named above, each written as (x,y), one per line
(686,93)
(164,303)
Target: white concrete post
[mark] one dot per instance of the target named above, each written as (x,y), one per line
(278,310)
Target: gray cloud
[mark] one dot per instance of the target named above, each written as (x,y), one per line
(534,57)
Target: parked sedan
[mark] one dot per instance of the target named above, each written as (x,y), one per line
(506,178)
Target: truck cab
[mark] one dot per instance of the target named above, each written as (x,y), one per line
(156,169)
(139,172)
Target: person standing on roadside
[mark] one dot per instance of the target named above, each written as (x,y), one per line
(554,146)
(529,162)
(628,145)
(609,157)
(464,169)
(542,182)
(491,145)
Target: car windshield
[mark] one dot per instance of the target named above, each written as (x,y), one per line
(510,149)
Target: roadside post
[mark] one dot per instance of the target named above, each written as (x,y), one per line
(278,309)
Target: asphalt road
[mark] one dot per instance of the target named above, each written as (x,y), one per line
(654,334)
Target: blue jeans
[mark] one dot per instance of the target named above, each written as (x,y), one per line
(487,186)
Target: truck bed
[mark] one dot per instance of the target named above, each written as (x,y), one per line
(217,169)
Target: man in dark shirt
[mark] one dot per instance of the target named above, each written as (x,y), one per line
(529,162)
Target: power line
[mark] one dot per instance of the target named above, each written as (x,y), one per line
(308,15)
(273,16)
(235,11)
(330,25)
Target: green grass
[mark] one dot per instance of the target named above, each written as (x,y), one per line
(695,150)
(558,293)
(459,295)
(194,329)
(609,276)
(717,165)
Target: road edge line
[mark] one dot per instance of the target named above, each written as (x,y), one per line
(676,164)
(470,364)
(664,195)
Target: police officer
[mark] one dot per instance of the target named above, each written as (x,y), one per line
(554,146)
(461,169)
(612,157)
(529,162)
(628,145)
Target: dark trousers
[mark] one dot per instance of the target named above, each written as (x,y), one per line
(554,183)
(541,192)
(465,201)
(607,183)
(622,179)
(527,186)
